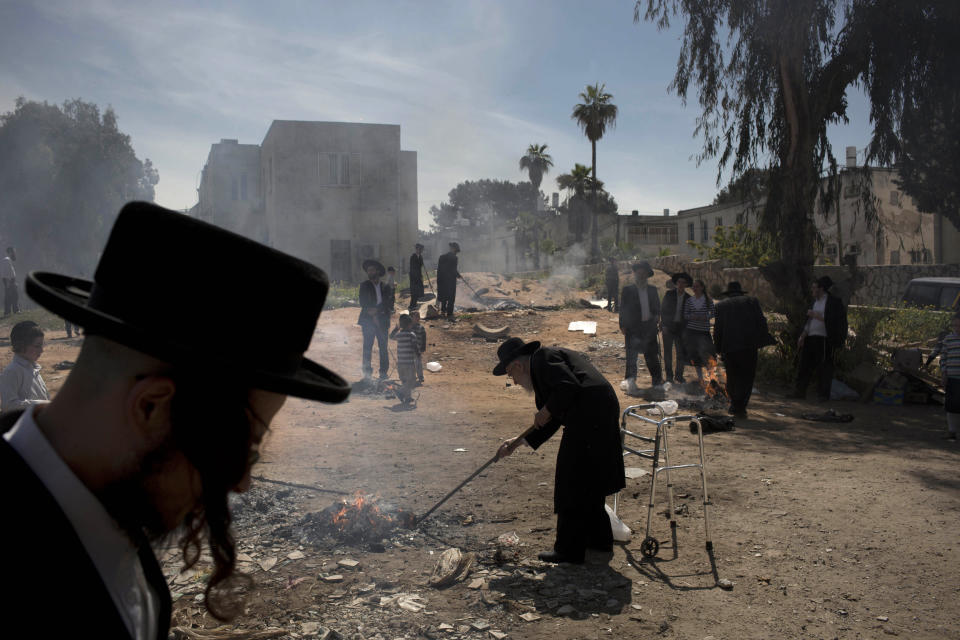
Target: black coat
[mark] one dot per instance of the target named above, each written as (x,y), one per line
(739,324)
(54,589)
(368,300)
(579,398)
(668,310)
(416,275)
(835,319)
(631,313)
(447,276)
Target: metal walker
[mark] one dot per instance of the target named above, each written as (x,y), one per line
(650,545)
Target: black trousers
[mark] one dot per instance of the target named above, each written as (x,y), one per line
(613,296)
(416,292)
(815,357)
(649,346)
(374,330)
(741,369)
(582,525)
(446,305)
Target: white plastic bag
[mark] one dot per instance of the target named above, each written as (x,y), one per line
(669,407)
(433,366)
(621,532)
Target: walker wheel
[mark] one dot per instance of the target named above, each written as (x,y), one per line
(649,547)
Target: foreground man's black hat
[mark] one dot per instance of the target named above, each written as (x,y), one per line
(163,273)
(510,350)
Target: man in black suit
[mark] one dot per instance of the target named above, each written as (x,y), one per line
(671,325)
(571,393)
(824,333)
(376,306)
(737,334)
(639,315)
(155,426)
(416,276)
(447,275)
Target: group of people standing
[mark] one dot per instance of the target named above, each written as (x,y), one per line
(683,320)
(377,298)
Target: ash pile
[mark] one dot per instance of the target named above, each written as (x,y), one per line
(361,521)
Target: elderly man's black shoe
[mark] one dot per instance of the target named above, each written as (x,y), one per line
(553,556)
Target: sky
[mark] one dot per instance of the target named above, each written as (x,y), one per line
(471,83)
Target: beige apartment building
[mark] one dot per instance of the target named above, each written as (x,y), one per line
(331,193)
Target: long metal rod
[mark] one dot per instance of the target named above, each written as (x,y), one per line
(469,478)
(455,489)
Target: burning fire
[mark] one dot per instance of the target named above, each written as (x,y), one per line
(363,519)
(714,383)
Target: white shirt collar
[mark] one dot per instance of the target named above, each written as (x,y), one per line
(110,549)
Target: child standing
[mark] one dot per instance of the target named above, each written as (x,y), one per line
(407,349)
(21,385)
(421,334)
(950,370)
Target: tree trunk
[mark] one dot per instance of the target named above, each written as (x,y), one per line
(594,242)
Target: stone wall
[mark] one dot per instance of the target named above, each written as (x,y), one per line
(877,285)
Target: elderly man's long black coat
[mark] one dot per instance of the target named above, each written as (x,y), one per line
(579,398)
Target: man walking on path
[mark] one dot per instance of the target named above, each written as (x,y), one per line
(447,275)
(824,333)
(639,315)
(671,326)
(376,307)
(738,332)
(158,422)
(571,393)
(8,275)
(416,276)
(612,280)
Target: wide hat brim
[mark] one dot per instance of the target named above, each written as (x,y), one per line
(67,297)
(526,349)
(380,268)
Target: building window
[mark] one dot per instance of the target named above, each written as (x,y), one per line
(895,198)
(740,218)
(831,252)
(334,169)
(718,222)
(704,231)
(894,257)
(233,188)
(690,232)
(243,187)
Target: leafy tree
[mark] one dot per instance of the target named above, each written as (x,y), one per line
(472,200)
(595,113)
(913,80)
(65,172)
(771,75)
(740,246)
(750,186)
(536,162)
(586,195)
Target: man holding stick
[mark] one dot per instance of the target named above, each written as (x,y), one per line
(155,426)
(571,393)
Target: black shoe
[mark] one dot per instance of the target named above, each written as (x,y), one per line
(557,558)
(601,548)
(740,414)
(950,436)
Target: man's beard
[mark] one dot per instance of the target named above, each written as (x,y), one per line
(129,503)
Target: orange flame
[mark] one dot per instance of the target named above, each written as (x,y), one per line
(361,505)
(713,382)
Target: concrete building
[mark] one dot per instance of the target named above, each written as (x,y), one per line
(331,193)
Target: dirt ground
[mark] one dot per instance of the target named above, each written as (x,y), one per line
(825,530)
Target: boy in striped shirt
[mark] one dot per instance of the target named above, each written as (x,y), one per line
(421,334)
(950,370)
(408,350)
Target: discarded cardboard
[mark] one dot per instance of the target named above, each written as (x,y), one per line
(589,327)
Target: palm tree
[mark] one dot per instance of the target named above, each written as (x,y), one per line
(594,114)
(536,162)
(579,183)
